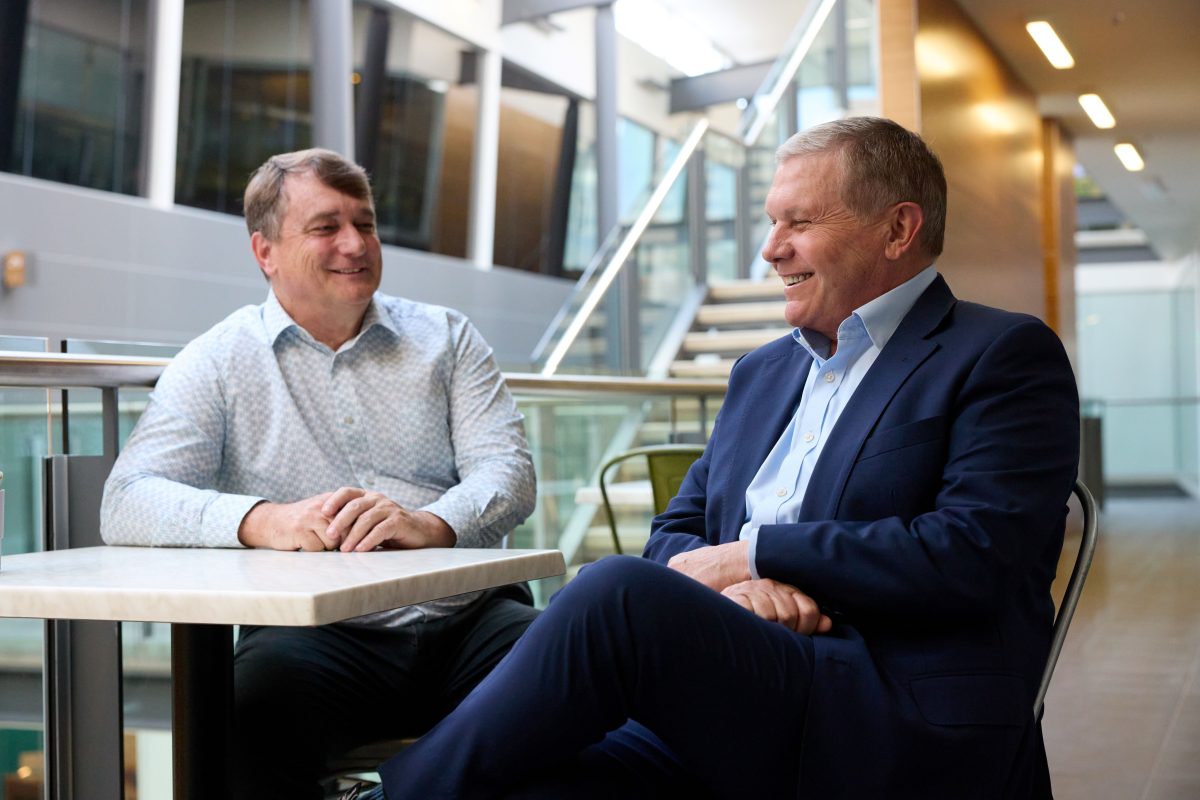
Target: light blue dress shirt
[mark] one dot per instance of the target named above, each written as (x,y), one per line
(413,407)
(775,494)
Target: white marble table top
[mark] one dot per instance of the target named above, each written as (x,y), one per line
(250,587)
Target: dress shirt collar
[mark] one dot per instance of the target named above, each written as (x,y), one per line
(277,320)
(878,318)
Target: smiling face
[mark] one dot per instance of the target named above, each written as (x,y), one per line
(830,260)
(326,262)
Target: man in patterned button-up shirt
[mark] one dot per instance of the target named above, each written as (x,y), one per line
(332,417)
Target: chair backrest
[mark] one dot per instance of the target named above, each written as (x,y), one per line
(667,465)
(1066,609)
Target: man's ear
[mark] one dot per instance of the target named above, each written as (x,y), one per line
(261,246)
(905,221)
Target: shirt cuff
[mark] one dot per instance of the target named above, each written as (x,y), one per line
(752,538)
(222,518)
(461,516)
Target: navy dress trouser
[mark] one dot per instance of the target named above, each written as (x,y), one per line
(636,681)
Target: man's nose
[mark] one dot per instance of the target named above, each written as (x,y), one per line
(776,248)
(351,241)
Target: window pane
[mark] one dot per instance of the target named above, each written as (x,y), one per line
(241,99)
(79,98)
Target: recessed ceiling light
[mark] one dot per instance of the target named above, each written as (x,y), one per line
(1098,112)
(1052,47)
(1130,157)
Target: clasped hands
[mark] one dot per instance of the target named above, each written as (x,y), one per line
(349,519)
(726,568)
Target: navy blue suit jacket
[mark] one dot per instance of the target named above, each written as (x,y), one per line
(930,532)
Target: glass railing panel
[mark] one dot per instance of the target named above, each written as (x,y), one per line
(663,263)
(24,440)
(1150,446)
(145,646)
(84,427)
(723,158)
(581,338)
(570,438)
(760,170)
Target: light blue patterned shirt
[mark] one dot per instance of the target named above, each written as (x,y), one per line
(777,491)
(256,409)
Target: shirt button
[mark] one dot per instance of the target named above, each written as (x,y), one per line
(369,481)
(829,377)
(781,492)
(808,437)
(349,420)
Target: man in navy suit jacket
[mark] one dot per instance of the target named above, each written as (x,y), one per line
(849,597)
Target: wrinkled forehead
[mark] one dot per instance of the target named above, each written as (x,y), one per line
(306,192)
(806,176)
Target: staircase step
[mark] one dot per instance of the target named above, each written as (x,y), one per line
(738,341)
(740,291)
(702,368)
(637,494)
(769,312)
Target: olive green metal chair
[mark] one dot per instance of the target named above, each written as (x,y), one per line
(667,465)
(1070,601)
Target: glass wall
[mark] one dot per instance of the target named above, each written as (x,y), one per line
(415,125)
(1146,394)
(71,97)
(243,95)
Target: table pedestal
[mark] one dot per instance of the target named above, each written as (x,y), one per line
(202,710)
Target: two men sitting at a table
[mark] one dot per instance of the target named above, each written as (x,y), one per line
(333,417)
(848,597)
(850,594)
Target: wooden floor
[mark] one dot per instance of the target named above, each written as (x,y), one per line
(1122,716)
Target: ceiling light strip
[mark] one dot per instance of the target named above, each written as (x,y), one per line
(1098,112)
(1130,157)
(1052,47)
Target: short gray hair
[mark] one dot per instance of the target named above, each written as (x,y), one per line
(265,201)
(882,164)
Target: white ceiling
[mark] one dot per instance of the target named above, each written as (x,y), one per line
(1141,56)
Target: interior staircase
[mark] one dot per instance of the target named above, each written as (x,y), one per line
(737,317)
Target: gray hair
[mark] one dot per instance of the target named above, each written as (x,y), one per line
(265,202)
(882,164)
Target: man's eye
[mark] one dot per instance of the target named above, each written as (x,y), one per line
(366,227)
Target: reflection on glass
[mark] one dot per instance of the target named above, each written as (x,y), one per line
(415,125)
(244,95)
(530,213)
(80,95)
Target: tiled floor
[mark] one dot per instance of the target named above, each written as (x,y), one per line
(1123,712)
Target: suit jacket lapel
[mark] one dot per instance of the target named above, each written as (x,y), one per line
(771,401)
(905,351)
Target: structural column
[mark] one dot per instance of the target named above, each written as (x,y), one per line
(481,220)
(162,114)
(332,97)
(606,120)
